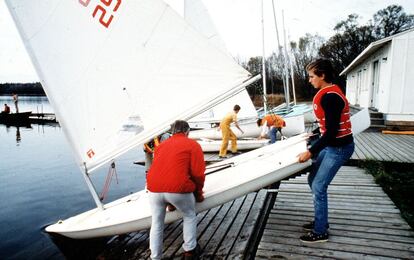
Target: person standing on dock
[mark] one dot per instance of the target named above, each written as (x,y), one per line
(16,100)
(227,133)
(176,177)
(332,149)
(271,124)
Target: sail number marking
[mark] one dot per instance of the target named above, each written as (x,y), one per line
(102,10)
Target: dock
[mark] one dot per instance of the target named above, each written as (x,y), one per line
(364,222)
(267,224)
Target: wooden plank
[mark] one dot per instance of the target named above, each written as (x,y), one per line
(223,227)
(336,222)
(240,245)
(239,223)
(342,218)
(339,247)
(266,250)
(346,233)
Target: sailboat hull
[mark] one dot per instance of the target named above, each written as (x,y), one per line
(295,124)
(226,180)
(215,145)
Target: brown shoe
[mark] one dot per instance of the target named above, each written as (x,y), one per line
(170,207)
(192,254)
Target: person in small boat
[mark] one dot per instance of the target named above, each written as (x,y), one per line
(16,100)
(227,133)
(271,124)
(332,149)
(177,177)
(6,109)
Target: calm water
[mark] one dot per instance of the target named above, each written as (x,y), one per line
(40,183)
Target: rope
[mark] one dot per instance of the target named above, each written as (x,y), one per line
(111,173)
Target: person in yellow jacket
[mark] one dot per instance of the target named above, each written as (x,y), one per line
(227,133)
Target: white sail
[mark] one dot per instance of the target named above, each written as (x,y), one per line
(197,15)
(119,72)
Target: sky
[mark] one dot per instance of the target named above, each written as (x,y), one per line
(239,22)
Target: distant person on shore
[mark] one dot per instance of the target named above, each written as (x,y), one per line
(332,149)
(176,177)
(6,109)
(227,133)
(16,100)
(271,124)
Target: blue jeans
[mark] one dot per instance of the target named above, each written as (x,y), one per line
(324,169)
(273,134)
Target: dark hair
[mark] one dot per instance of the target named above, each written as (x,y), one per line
(322,67)
(259,122)
(179,126)
(236,108)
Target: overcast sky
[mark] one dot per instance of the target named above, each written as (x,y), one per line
(238,22)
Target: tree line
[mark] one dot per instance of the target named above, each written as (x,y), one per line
(349,40)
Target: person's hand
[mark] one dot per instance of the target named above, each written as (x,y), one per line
(199,197)
(303,157)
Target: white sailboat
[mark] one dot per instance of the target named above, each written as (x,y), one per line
(118,73)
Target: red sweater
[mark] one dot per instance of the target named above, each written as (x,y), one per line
(178,166)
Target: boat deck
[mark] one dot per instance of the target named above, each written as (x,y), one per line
(364,222)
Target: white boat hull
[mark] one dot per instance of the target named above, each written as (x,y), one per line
(232,178)
(294,125)
(208,145)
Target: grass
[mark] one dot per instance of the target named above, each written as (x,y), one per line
(397,180)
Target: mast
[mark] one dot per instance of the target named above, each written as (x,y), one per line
(279,47)
(263,64)
(292,74)
(287,94)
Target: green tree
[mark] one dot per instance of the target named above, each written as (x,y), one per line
(391,20)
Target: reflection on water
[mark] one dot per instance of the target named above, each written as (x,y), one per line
(40,183)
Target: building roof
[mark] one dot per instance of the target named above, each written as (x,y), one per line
(374,46)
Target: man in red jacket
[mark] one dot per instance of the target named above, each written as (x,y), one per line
(176,177)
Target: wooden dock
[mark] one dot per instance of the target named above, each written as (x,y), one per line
(384,147)
(364,222)
(224,232)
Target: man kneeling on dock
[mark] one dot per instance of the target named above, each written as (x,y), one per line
(176,177)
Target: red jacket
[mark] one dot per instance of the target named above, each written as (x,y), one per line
(178,166)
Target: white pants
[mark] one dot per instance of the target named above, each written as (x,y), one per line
(185,203)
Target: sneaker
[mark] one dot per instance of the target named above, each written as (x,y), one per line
(311,237)
(222,157)
(236,153)
(192,254)
(310,226)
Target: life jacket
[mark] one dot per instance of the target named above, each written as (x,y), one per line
(344,123)
(274,120)
(151,145)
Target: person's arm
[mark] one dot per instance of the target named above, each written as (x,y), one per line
(333,105)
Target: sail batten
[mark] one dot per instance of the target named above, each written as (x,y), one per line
(117,75)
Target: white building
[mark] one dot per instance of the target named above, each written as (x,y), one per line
(382,77)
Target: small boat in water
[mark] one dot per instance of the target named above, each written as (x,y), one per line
(15,118)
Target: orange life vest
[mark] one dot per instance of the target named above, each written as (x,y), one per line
(344,123)
(151,145)
(274,120)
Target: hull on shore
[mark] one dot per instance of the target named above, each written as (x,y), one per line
(225,181)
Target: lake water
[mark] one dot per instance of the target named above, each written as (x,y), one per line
(40,183)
